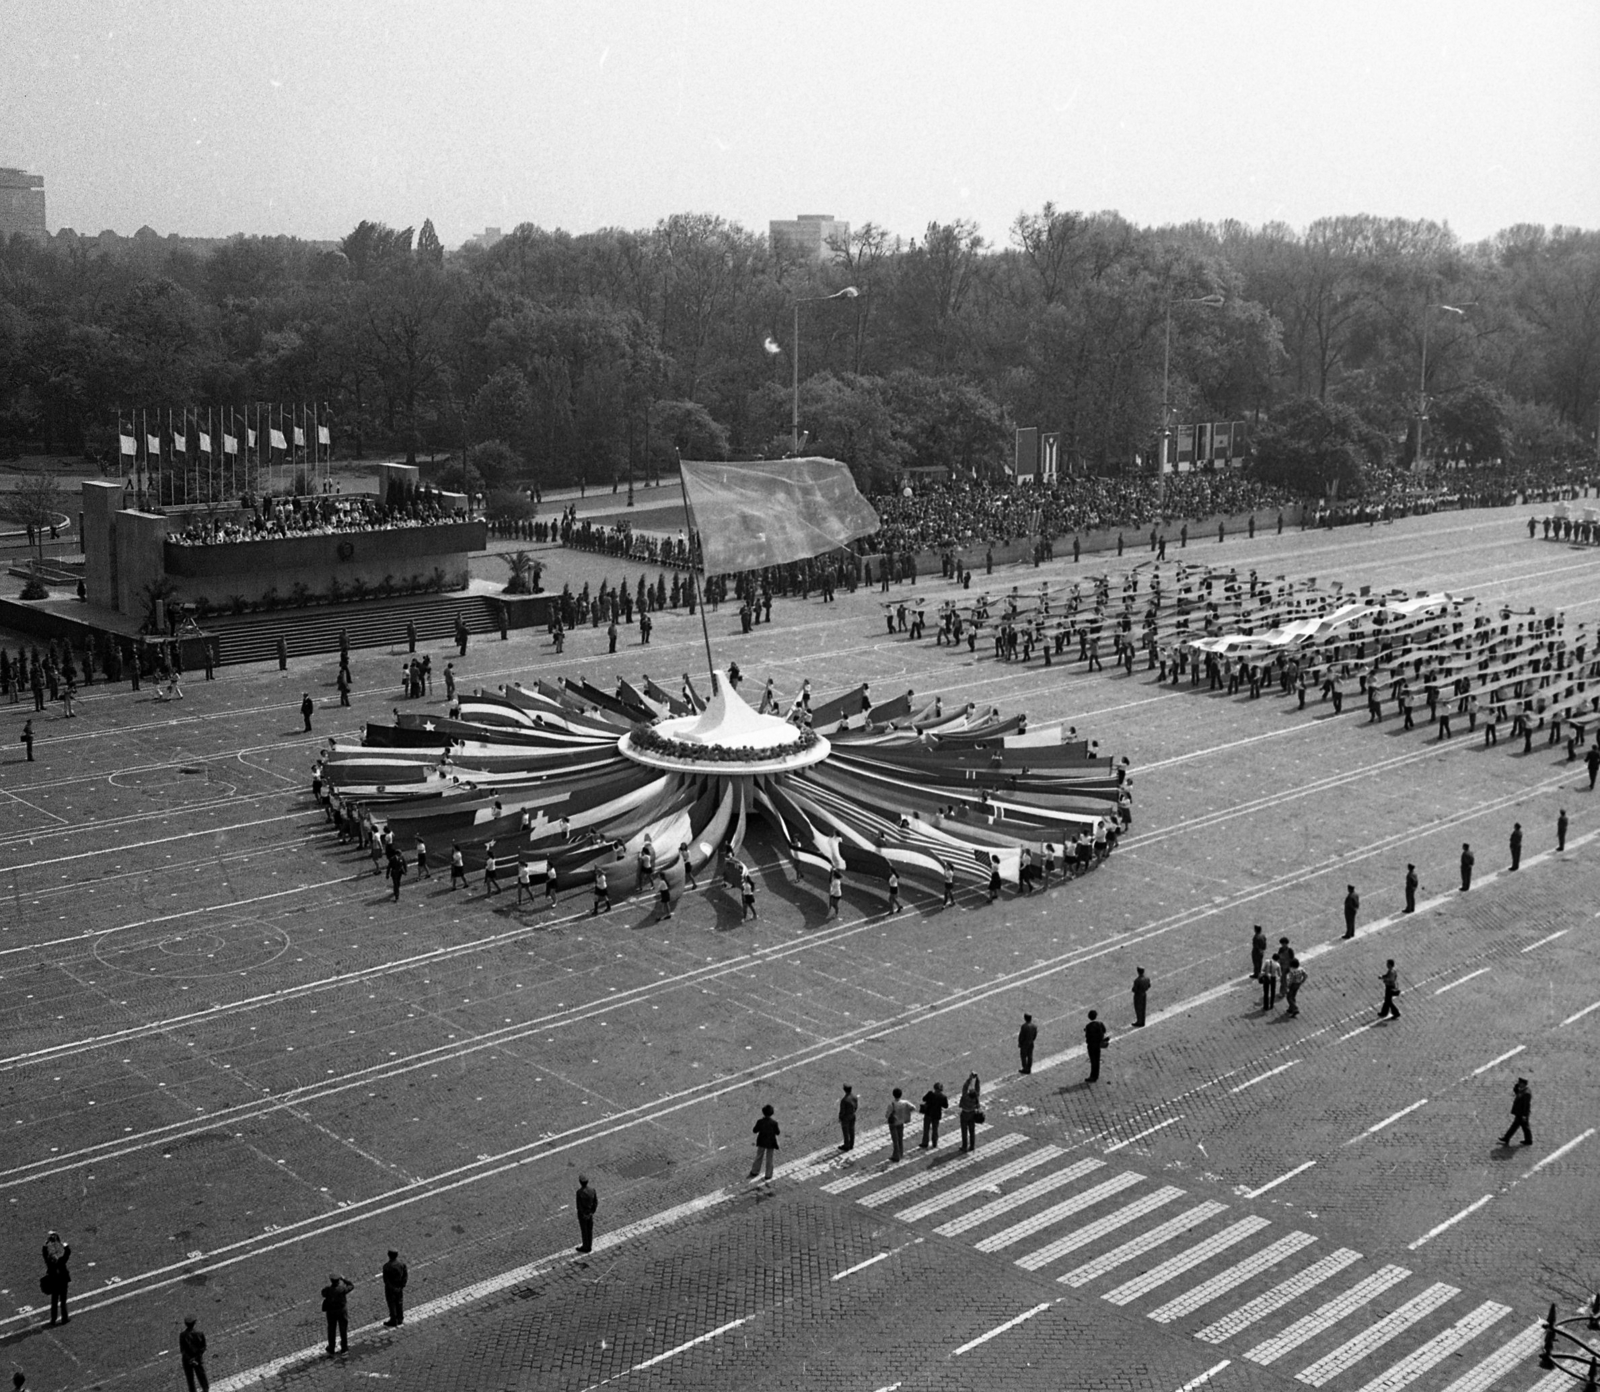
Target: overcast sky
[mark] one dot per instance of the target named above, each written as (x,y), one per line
(303,116)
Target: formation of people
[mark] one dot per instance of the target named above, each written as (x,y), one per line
(268,517)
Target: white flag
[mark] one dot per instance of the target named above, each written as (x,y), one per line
(299,437)
(152,445)
(250,438)
(276,437)
(230,444)
(180,441)
(322,435)
(205,443)
(128,443)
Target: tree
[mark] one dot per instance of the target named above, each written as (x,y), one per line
(429,247)
(1316,448)
(684,429)
(524,572)
(35,502)
(494,463)
(1470,424)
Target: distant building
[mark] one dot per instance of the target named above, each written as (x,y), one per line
(809,234)
(485,239)
(21,204)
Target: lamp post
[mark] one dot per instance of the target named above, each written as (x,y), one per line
(848,293)
(1422,384)
(1211,302)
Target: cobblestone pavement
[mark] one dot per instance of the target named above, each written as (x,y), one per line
(232,1065)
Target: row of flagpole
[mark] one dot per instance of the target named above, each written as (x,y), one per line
(237,450)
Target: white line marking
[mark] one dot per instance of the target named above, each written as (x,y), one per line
(705,1338)
(1543,941)
(1388,1121)
(1093,1232)
(1375,1336)
(1450,1222)
(1281,1179)
(1500,1362)
(1359,1029)
(1175,1266)
(1147,1241)
(1279,1296)
(1001,1329)
(990,1183)
(1327,1315)
(985,1213)
(1235,1275)
(1205,1377)
(1438,1348)
(1460,981)
(1586,1010)
(1555,1155)
(1151,1131)
(1509,1053)
(861,1266)
(1262,1077)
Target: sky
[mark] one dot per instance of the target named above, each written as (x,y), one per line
(210,117)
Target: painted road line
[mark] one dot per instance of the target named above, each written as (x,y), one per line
(989,1183)
(705,1338)
(1262,1077)
(1449,1222)
(1460,981)
(1388,1121)
(1281,1179)
(1205,1377)
(1093,1232)
(1000,1329)
(1359,1029)
(1375,1336)
(1508,1356)
(1542,941)
(1227,988)
(1038,1222)
(1146,1242)
(861,1266)
(1327,1315)
(1150,1131)
(1173,1267)
(937,1172)
(1555,1155)
(1224,1281)
(1509,1053)
(1279,1296)
(1588,1009)
(1025,1195)
(1442,1346)
(478,1290)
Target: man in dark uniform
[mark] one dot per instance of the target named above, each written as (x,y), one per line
(1258,952)
(586,1203)
(27,738)
(1095,1040)
(1561,830)
(1516,845)
(1592,760)
(1141,990)
(847,1118)
(1352,903)
(1521,1111)
(307,707)
(411,636)
(1467,862)
(1411,889)
(334,1307)
(1025,1038)
(192,1352)
(394,1287)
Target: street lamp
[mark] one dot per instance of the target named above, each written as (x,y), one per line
(848,293)
(1210,302)
(1422,384)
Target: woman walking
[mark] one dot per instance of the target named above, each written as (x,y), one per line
(971,1107)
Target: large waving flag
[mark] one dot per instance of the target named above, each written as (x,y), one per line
(766,512)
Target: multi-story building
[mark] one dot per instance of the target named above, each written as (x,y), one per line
(21,203)
(809,234)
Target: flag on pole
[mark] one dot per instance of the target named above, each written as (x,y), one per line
(276,438)
(152,446)
(299,438)
(323,438)
(771,511)
(205,442)
(230,444)
(127,443)
(180,440)
(249,438)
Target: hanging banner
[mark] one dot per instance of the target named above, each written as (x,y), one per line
(323,438)
(180,441)
(128,444)
(205,443)
(230,444)
(277,440)
(1049,456)
(152,446)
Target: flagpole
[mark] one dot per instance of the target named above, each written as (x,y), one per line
(700,601)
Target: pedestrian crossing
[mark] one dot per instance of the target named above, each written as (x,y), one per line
(1282,1298)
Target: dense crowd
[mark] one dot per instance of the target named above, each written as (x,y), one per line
(964,513)
(271,518)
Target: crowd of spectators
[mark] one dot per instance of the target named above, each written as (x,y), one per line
(964,513)
(269,518)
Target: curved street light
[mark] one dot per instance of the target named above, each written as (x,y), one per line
(1422,384)
(1212,301)
(848,293)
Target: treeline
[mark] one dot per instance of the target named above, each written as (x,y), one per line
(595,357)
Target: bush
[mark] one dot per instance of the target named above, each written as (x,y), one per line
(34,589)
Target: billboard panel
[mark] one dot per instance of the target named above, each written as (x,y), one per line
(1222,441)
(1183,438)
(1026,464)
(1049,456)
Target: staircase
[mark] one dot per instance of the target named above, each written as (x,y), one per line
(373,623)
